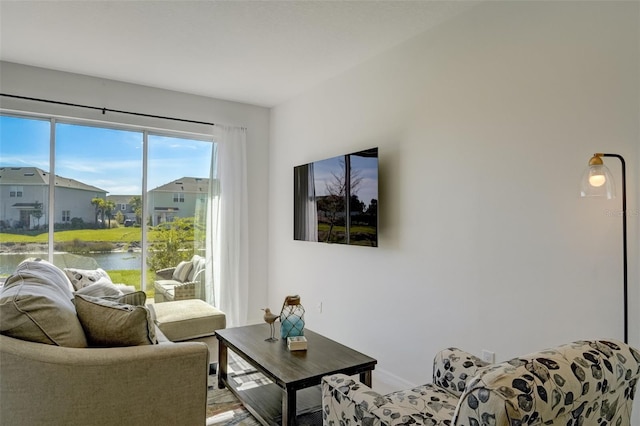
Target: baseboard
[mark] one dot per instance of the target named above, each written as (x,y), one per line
(385,382)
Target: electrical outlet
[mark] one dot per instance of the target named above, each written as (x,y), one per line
(319,307)
(488,356)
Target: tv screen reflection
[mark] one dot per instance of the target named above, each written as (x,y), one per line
(336,200)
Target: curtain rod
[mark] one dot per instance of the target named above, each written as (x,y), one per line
(105,110)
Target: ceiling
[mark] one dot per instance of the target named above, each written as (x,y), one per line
(257,52)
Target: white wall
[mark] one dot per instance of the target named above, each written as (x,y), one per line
(27,81)
(485,126)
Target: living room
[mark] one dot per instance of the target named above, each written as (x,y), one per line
(484,126)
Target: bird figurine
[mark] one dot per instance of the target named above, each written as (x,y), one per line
(270,319)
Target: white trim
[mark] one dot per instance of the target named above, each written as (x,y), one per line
(52,189)
(385,382)
(144,246)
(145,131)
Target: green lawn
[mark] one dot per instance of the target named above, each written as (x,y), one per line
(121,234)
(360,235)
(133,277)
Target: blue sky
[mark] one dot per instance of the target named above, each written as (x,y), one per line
(107,158)
(365,167)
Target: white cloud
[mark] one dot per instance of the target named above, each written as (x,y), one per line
(15,161)
(125,190)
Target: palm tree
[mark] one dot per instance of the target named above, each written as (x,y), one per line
(37,212)
(136,205)
(109,207)
(98,203)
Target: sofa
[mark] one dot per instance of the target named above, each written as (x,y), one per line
(68,358)
(183,281)
(589,382)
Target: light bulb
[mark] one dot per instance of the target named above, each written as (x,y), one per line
(597,180)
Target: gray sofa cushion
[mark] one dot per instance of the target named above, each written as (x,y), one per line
(36,305)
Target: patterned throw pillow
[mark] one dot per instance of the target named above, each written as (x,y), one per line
(101,288)
(182,271)
(84,277)
(111,324)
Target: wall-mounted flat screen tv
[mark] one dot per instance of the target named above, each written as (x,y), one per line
(336,200)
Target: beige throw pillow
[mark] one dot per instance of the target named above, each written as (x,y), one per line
(108,324)
(182,271)
(36,305)
(136,298)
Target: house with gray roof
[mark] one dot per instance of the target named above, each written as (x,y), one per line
(184,197)
(123,205)
(24,198)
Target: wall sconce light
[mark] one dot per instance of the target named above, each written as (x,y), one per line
(597,181)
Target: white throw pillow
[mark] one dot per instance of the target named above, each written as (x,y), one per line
(84,277)
(101,288)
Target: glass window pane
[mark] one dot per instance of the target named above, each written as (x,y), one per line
(330,187)
(363,203)
(178,183)
(24,190)
(99,170)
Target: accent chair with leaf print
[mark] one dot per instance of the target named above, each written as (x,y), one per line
(588,382)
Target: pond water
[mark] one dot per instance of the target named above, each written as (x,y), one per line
(107,261)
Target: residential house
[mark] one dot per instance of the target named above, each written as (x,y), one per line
(484,124)
(24,198)
(184,197)
(123,205)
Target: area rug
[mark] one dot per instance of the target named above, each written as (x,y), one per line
(223,408)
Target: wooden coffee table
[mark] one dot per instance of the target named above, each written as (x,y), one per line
(296,375)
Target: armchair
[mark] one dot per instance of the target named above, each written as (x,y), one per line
(184,281)
(580,383)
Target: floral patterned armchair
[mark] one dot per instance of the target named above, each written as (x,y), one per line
(580,383)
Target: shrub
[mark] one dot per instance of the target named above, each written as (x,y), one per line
(77,223)
(78,246)
(173,244)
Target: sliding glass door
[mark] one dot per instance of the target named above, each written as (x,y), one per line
(129,201)
(178,187)
(99,171)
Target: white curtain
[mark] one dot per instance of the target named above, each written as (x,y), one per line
(305,209)
(227,226)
